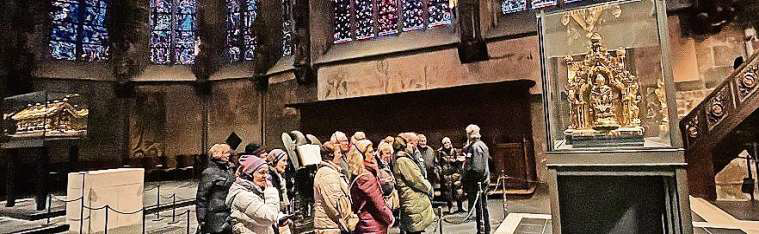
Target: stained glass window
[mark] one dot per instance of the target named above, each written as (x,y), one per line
(439,13)
(173,31)
(240,43)
(513,6)
(413,15)
(287,28)
(387,17)
(343,14)
(78,30)
(364,19)
(537,4)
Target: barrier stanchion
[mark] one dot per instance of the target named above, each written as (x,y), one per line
(188,221)
(174,208)
(143,221)
(158,203)
(106,219)
(49,204)
(81,209)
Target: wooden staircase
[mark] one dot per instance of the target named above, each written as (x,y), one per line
(709,130)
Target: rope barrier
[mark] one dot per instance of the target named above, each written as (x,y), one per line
(65,201)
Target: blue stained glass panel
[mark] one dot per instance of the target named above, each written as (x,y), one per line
(186,7)
(364,19)
(65,12)
(512,6)
(342,21)
(160,39)
(160,55)
(184,55)
(64,32)
(439,13)
(250,53)
(252,5)
(185,22)
(233,53)
(94,16)
(163,22)
(537,4)
(94,35)
(413,15)
(94,52)
(185,39)
(233,6)
(387,17)
(162,6)
(233,21)
(63,50)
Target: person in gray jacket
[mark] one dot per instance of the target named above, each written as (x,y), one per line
(213,187)
(476,170)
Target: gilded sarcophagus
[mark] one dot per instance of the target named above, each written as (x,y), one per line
(45,115)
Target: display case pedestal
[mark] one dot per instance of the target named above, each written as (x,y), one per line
(619,192)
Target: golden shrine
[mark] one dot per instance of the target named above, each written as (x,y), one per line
(56,118)
(603,97)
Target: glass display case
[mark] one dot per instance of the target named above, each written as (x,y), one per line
(45,115)
(605,82)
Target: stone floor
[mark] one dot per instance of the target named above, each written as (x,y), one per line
(527,214)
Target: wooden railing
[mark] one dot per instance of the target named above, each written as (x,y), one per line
(733,101)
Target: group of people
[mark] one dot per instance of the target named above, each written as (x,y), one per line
(356,188)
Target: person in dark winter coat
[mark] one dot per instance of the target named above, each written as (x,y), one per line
(450,168)
(375,217)
(214,185)
(430,160)
(476,170)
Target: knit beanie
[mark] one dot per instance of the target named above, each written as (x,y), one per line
(252,164)
(276,155)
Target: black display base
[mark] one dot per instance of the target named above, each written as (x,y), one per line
(604,141)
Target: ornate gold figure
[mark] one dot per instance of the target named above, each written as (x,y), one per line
(603,95)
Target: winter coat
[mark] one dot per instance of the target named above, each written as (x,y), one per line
(450,174)
(213,187)
(278,182)
(477,166)
(253,211)
(415,192)
(368,202)
(332,202)
(430,163)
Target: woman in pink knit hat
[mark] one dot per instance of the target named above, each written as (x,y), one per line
(254,203)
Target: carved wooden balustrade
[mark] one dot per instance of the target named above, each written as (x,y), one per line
(709,123)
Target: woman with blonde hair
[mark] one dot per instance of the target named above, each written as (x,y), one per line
(366,193)
(212,213)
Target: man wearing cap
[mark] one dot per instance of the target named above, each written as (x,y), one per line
(214,185)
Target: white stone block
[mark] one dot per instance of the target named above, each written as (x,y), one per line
(120,189)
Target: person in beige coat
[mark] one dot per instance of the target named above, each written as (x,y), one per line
(254,203)
(333,213)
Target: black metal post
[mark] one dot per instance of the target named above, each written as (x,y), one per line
(10,178)
(158,203)
(174,208)
(188,221)
(143,221)
(41,180)
(106,219)
(49,204)
(81,209)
